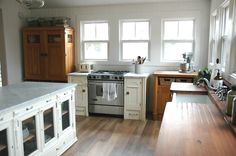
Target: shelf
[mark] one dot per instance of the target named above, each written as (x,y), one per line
(31,136)
(29,120)
(2,147)
(47,126)
(65,112)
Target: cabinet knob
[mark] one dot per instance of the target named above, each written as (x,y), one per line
(127,93)
(83,90)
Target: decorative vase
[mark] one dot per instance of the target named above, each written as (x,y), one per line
(137,68)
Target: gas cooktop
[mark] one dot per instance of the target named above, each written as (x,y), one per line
(107,75)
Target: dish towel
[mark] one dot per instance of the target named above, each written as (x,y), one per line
(109,91)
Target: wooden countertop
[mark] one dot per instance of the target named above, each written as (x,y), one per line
(180,87)
(190,129)
(175,74)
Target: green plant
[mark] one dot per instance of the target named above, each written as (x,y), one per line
(203,73)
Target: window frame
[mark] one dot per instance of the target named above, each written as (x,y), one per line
(163,41)
(133,41)
(82,41)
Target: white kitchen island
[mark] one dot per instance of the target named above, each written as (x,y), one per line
(37,118)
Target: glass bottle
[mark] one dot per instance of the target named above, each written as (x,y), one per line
(230,96)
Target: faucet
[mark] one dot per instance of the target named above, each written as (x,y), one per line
(202,79)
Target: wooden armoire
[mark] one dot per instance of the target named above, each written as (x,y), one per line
(48,53)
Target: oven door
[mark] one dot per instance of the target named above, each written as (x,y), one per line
(95,93)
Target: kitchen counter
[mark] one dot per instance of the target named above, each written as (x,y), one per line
(193,129)
(78,74)
(183,88)
(136,75)
(18,95)
(174,74)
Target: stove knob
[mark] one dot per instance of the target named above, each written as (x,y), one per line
(89,77)
(116,77)
(121,78)
(94,77)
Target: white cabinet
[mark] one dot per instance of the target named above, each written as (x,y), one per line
(46,127)
(81,93)
(6,135)
(135,97)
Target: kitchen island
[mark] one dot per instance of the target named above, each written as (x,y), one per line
(196,129)
(37,118)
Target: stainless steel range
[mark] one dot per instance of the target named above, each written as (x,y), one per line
(106,92)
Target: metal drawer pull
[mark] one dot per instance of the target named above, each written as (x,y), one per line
(83,90)
(30,108)
(127,93)
(94,99)
(49,100)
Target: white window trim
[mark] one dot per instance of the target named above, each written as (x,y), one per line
(162,60)
(132,41)
(82,54)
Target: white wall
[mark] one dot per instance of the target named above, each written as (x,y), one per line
(215,4)
(153,11)
(11,40)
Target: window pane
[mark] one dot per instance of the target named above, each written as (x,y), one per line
(102,31)
(128,31)
(226,21)
(174,51)
(142,30)
(95,50)
(132,50)
(170,30)
(186,30)
(89,31)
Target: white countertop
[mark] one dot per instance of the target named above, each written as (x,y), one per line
(17,95)
(136,75)
(78,74)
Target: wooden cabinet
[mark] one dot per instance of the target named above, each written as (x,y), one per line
(162,95)
(48,53)
(81,92)
(135,96)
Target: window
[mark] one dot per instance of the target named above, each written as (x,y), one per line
(95,39)
(177,38)
(134,39)
(224,35)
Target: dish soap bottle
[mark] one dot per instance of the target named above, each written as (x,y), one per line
(218,80)
(230,96)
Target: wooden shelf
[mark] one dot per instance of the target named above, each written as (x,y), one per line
(31,136)
(2,147)
(65,112)
(47,126)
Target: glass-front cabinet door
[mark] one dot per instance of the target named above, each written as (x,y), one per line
(6,139)
(49,123)
(65,108)
(29,133)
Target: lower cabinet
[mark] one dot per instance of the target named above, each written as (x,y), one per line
(6,135)
(135,98)
(46,127)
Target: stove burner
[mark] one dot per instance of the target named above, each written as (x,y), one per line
(107,75)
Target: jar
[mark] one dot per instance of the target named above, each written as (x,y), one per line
(229,100)
(233,117)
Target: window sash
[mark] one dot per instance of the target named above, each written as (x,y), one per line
(134,41)
(101,41)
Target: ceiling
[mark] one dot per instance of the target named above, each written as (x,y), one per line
(76,3)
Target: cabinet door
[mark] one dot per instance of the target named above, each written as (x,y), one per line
(82,100)
(33,55)
(133,94)
(6,139)
(49,124)
(28,136)
(164,96)
(55,47)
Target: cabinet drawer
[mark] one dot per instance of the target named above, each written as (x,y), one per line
(80,80)
(6,117)
(184,80)
(81,111)
(166,80)
(133,114)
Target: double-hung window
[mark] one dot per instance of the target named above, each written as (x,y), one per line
(224,35)
(134,39)
(177,39)
(94,40)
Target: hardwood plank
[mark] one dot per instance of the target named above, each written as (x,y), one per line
(106,136)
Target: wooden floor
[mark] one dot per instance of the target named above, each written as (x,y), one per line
(107,136)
